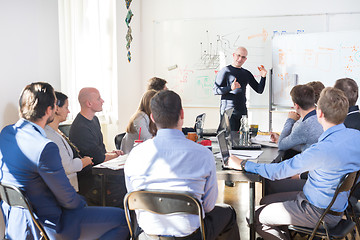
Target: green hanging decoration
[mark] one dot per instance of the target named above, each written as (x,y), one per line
(128,36)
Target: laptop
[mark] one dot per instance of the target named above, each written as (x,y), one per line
(199,125)
(224,151)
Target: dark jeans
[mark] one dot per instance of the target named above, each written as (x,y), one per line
(235,120)
(220,224)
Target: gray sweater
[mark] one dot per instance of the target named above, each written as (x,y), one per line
(303,136)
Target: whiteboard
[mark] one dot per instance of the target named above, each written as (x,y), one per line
(323,57)
(189,53)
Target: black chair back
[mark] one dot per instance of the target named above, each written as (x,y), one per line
(14,197)
(162,202)
(65,128)
(118,139)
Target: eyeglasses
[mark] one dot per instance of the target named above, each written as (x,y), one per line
(239,56)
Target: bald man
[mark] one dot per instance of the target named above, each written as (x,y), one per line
(231,82)
(85,133)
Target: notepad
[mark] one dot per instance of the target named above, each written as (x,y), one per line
(114,164)
(264,140)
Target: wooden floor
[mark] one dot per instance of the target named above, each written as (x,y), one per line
(238,198)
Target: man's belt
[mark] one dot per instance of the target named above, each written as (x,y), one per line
(335,213)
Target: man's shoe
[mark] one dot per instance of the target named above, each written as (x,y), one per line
(230,183)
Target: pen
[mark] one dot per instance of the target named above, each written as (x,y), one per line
(242,155)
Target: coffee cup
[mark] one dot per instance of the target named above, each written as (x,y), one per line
(192,136)
(137,142)
(254,130)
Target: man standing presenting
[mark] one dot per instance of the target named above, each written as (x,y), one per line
(85,133)
(32,162)
(231,82)
(169,161)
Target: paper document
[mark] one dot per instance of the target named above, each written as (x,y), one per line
(264,140)
(114,164)
(246,154)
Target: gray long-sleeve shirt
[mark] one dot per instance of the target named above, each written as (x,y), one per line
(303,136)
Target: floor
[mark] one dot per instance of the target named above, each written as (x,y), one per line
(238,197)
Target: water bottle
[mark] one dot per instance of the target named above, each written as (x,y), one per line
(244,131)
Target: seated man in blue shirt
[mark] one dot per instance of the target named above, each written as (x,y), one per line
(32,162)
(335,154)
(169,161)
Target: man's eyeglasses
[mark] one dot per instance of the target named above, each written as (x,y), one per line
(239,56)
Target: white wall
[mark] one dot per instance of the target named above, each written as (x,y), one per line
(29,50)
(29,45)
(160,10)
(130,82)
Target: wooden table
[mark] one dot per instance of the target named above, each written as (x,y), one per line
(268,155)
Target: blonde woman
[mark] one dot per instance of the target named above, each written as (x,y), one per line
(140,124)
(70,158)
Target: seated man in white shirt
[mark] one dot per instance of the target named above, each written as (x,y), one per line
(169,161)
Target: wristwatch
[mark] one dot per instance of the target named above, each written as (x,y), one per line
(242,164)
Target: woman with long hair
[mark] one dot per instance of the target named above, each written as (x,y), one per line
(140,124)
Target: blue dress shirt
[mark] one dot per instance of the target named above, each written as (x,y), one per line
(336,153)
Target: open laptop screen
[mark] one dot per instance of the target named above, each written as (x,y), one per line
(224,150)
(225,125)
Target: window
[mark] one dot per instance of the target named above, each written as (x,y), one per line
(88,52)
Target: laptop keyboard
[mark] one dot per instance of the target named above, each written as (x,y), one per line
(250,147)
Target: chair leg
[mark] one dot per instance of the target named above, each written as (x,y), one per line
(292,234)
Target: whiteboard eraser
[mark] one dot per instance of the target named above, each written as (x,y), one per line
(172,67)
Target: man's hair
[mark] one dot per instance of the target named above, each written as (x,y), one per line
(334,104)
(60,98)
(318,87)
(303,96)
(35,99)
(350,88)
(156,84)
(165,108)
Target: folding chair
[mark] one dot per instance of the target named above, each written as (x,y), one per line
(118,139)
(14,197)
(353,209)
(343,228)
(162,202)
